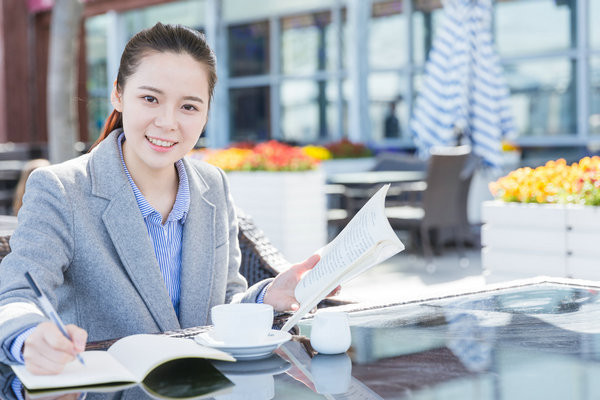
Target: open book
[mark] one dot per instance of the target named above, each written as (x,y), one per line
(129,361)
(366,241)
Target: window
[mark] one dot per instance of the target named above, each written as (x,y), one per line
(543,96)
(527,27)
(235,10)
(387,36)
(388,111)
(250,114)
(97,81)
(187,13)
(307,110)
(593,18)
(541,74)
(426,17)
(307,44)
(249,49)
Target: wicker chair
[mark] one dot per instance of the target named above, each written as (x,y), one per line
(4,246)
(260,259)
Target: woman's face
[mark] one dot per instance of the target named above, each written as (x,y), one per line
(165,107)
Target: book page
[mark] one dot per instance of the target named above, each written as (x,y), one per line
(100,367)
(369,230)
(142,353)
(367,240)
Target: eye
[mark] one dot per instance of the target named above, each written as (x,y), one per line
(189,107)
(150,99)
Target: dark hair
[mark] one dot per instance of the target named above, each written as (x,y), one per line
(161,38)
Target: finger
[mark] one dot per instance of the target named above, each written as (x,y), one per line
(57,341)
(46,350)
(43,354)
(78,337)
(311,261)
(308,264)
(283,303)
(42,360)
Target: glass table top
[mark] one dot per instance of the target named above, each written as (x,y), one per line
(532,341)
(538,340)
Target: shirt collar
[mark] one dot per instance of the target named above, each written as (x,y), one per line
(182,200)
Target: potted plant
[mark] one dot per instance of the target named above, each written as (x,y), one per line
(347,156)
(281,188)
(544,221)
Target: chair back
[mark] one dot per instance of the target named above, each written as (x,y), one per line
(260,259)
(446,185)
(4,246)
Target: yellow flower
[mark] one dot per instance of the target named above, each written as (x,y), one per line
(317,152)
(554,182)
(509,146)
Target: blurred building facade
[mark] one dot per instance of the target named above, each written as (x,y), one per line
(314,71)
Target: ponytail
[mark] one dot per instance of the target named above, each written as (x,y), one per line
(114,121)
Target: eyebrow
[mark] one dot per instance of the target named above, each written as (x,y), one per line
(155,90)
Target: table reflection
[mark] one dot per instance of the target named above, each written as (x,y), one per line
(540,340)
(253,380)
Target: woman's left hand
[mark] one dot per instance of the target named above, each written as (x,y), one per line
(280,293)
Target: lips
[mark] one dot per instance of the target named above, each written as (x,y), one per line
(161,143)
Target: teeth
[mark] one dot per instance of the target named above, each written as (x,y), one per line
(160,143)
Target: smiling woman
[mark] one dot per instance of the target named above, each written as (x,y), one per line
(132,237)
(167,108)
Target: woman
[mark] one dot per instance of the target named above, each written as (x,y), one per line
(131,237)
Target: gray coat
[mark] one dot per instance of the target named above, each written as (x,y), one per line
(82,237)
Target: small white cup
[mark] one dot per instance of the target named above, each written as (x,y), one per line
(245,324)
(330,332)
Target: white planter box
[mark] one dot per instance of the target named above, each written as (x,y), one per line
(289,207)
(525,240)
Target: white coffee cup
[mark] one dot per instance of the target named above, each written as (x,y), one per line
(330,332)
(245,324)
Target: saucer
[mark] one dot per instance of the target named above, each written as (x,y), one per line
(251,352)
(273,364)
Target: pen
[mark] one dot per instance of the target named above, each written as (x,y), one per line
(49,310)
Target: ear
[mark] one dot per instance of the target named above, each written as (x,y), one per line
(115,99)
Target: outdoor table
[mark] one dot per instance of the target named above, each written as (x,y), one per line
(358,187)
(376,177)
(538,338)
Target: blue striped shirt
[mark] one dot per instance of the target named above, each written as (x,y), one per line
(167,238)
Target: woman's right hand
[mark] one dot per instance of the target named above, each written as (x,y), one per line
(47,350)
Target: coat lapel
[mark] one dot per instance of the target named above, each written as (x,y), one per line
(198,254)
(128,232)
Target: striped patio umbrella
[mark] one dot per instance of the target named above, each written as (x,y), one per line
(464,91)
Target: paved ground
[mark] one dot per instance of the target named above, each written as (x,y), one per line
(404,277)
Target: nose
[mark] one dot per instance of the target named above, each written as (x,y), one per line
(166,119)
